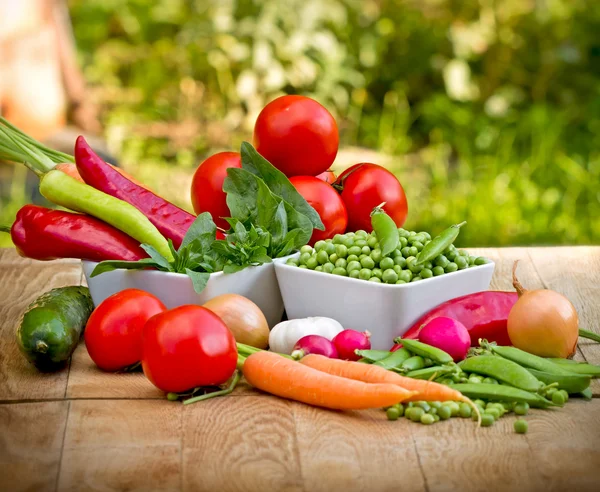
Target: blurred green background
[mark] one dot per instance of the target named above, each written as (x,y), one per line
(488,111)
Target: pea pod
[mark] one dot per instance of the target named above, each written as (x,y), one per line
(395,359)
(386,230)
(586,394)
(498,392)
(504,370)
(412,364)
(438,244)
(526,359)
(574,383)
(419,348)
(429,372)
(66,191)
(373,355)
(578,367)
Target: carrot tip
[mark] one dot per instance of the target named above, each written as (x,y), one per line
(469,402)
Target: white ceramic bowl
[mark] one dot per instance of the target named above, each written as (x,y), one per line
(387,311)
(259,284)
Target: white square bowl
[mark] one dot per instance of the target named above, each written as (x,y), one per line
(387,311)
(257,283)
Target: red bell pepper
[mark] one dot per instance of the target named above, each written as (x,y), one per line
(172,221)
(484,314)
(44,234)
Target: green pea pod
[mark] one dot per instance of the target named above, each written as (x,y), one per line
(498,392)
(504,370)
(412,364)
(590,335)
(575,383)
(578,367)
(66,191)
(373,355)
(419,348)
(395,359)
(429,372)
(526,359)
(586,394)
(386,230)
(438,244)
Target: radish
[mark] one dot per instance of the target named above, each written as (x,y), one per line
(447,334)
(314,344)
(348,341)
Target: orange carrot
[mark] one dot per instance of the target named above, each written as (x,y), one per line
(287,378)
(425,390)
(71,170)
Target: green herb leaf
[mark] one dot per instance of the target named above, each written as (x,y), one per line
(110,265)
(199,279)
(157,257)
(278,183)
(202,226)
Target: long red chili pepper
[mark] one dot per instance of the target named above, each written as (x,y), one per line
(484,314)
(44,234)
(172,221)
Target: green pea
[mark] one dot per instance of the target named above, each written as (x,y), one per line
(405,275)
(398,282)
(441,261)
(411,263)
(565,394)
(322,257)
(403,242)
(360,243)
(487,420)
(341,251)
(427,419)
(426,273)
(337,239)
(361,233)
(372,241)
(367,262)
(392,413)
(397,269)
(416,279)
(471,260)
(480,260)
(361,257)
(454,407)
(350,234)
(558,398)
(354,250)
(376,255)
(521,426)
(433,411)
(400,408)
(352,265)
(348,241)
(365,274)
(464,410)
(292,261)
(340,271)
(333,258)
(424,405)
(386,263)
(418,244)
(330,248)
(490,380)
(302,266)
(479,403)
(306,249)
(493,412)
(420,237)
(413,251)
(375,279)
(464,253)
(475,379)
(353,274)
(437,271)
(389,276)
(319,268)
(427,264)
(403,232)
(376,272)
(328,267)
(365,250)
(400,261)
(304,257)
(350,258)
(426,234)
(451,267)
(341,263)
(405,251)
(444,412)
(319,245)
(312,262)
(461,262)
(416,414)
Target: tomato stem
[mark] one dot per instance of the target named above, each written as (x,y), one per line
(234,382)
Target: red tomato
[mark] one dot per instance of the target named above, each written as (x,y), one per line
(113,335)
(327,176)
(297,135)
(367,185)
(186,347)
(328,204)
(207,186)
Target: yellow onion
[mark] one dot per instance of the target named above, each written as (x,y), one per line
(543,322)
(243,318)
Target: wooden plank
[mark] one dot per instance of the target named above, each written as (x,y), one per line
(20,284)
(31,437)
(9,256)
(356,451)
(240,444)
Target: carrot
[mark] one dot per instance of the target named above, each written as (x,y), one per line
(287,378)
(425,390)
(71,170)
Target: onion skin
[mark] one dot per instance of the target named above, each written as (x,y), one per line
(543,322)
(243,318)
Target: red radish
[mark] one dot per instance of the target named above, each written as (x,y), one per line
(348,341)
(314,344)
(448,335)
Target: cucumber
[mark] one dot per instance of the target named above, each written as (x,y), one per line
(52,325)
(572,383)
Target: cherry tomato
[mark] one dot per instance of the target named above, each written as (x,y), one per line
(207,186)
(297,135)
(364,186)
(113,335)
(328,204)
(186,347)
(327,176)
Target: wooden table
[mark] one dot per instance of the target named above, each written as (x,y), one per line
(81,429)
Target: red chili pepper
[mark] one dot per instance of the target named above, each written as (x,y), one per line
(44,234)
(484,314)
(172,221)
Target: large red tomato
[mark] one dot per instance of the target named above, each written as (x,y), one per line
(297,135)
(207,186)
(113,335)
(328,204)
(186,347)
(364,186)
(327,176)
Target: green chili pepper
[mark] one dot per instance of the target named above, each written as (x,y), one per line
(419,348)
(394,359)
(373,355)
(438,244)
(386,230)
(503,370)
(526,359)
(412,364)
(66,191)
(498,392)
(573,383)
